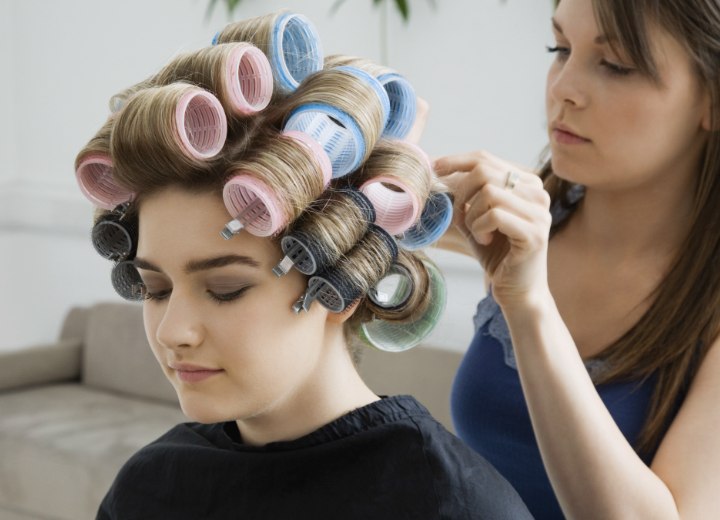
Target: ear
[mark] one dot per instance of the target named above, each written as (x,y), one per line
(342,317)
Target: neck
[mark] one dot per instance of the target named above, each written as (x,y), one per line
(647,220)
(334,389)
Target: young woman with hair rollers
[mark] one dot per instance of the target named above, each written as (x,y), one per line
(592,381)
(257,227)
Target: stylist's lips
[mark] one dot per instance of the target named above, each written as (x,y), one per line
(193,373)
(565,135)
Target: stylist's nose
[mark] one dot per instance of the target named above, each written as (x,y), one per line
(180,326)
(566,84)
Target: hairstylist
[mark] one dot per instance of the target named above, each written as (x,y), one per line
(592,380)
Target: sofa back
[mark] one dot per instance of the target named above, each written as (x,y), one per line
(117,356)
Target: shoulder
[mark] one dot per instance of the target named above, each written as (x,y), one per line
(466,484)
(154,467)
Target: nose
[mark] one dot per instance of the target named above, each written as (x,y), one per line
(566,84)
(180,326)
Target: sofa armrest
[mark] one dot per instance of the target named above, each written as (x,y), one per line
(40,364)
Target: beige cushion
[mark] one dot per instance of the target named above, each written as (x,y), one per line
(117,356)
(62,446)
(40,364)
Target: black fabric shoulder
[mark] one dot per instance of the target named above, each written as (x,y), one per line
(467,485)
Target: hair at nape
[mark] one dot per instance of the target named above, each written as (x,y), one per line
(302,154)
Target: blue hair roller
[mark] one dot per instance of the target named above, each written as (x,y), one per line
(295,51)
(434,221)
(403,105)
(216,38)
(376,86)
(337,132)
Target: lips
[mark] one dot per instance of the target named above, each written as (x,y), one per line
(194,373)
(565,135)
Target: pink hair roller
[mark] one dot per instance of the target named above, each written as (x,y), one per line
(201,124)
(396,211)
(317,150)
(94,176)
(253,206)
(250,79)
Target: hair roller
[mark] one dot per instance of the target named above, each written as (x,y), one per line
(168,131)
(253,205)
(353,275)
(126,281)
(115,234)
(403,105)
(376,86)
(435,219)
(319,154)
(94,172)
(342,111)
(289,40)
(271,186)
(239,74)
(401,94)
(397,179)
(328,229)
(399,336)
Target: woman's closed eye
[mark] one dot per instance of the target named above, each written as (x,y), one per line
(218,295)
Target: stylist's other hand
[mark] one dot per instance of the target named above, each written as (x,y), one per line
(502,210)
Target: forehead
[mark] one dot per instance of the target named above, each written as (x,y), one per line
(177,225)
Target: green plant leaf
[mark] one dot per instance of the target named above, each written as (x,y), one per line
(402,6)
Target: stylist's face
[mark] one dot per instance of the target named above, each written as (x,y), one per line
(610,126)
(218,320)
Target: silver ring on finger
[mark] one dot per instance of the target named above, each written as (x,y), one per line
(511,180)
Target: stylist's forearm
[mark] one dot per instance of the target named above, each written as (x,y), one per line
(593,469)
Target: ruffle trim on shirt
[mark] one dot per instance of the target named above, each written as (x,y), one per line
(489,312)
(559,211)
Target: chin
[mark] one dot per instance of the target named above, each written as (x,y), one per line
(203,410)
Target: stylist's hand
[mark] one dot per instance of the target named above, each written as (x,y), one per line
(503,211)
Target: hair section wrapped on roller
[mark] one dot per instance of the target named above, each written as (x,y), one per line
(401,94)
(397,178)
(168,132)
(289,40)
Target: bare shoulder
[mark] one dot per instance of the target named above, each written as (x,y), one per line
(688,460)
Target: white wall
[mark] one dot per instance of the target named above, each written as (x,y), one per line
(480,64)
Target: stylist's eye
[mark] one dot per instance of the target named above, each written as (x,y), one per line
(615,69)
(225,297)
(562,52)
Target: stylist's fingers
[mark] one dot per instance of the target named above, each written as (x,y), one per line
(523,235)
(527,201)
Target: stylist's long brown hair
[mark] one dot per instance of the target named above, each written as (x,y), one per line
(673,336)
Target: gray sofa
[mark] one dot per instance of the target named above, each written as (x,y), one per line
(73,411)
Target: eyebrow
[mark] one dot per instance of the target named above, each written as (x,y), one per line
(202,264)
(599,40)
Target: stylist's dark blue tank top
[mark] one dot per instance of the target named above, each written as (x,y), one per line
(490,414)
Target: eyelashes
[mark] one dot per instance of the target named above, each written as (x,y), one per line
(226,297)
(613,68)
